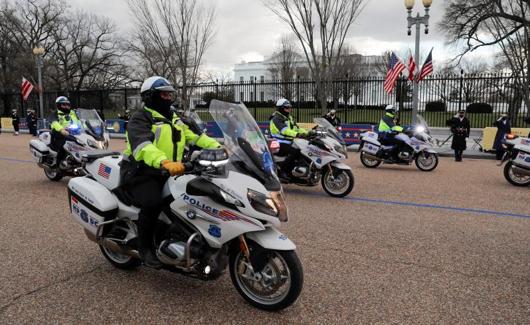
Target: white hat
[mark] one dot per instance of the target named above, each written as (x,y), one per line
(282,102)
(156,83)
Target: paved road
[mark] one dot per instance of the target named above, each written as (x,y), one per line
(451,246)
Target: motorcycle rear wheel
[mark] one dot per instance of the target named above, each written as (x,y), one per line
(53,174)
(275,287)
(369,163)
(514,179)
(120,261)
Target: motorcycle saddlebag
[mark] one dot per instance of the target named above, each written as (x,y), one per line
(38,150)
(90,203)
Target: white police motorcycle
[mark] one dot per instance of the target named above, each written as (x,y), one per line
(224,211)
(418,148)
(517,156)
(322,153)
(88,134)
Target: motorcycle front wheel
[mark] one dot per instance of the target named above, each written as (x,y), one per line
(337,182)
(426,161)
(513,178)
(276,286)
(54,174)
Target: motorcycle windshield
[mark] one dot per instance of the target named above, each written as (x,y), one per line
(91,122)
(324,125)
(244,142)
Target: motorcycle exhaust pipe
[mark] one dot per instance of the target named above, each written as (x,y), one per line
(369,156)
(520,171)
(113,246)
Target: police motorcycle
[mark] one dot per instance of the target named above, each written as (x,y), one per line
(517,156)
(322,153)
(418,148)
(224,211)
(88,134)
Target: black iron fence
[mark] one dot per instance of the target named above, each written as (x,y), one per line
(361,100)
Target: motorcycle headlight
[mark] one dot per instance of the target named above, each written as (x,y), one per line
(420,129)
(273,206)
(93,144)
(341,150)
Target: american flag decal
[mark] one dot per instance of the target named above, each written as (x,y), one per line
(104,171)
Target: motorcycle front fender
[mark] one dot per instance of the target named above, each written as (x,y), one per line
(339,165)
(272,239)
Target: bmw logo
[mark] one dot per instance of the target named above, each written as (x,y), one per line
(191,214)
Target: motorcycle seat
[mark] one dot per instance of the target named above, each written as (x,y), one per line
(96,154)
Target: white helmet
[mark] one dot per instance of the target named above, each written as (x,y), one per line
(156,83)
(391,109)
(282,102)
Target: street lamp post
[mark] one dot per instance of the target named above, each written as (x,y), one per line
(418,20)
(39,51)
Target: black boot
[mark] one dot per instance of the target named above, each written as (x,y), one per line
(146,224)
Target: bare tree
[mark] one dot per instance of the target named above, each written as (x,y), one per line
(321,27)
(503,23)
(283,65)
(173,37)
(86,54)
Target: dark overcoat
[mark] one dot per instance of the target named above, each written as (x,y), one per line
(460,130)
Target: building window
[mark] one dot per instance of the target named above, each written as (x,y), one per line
(262,96)
(241,79)
(241,97)
(262,79)
(251,78)
(252,96)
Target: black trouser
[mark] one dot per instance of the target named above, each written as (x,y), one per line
(390,140)
(145,191)
(292,153)
(458,154)
(57,144)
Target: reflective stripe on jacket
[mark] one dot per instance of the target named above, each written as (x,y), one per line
(151,138)
(284,127)
(387,124)
(61,120)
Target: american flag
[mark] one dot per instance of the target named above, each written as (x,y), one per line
(26,88)
(412,67)
(426,69)
(395,67)
(104,171)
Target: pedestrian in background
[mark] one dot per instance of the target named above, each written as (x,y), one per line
(460,128)
(15,120)
(31,120)
(503,127)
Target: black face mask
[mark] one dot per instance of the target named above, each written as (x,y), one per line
(160,105)
(461,115)
(65,110)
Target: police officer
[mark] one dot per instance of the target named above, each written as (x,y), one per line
(155,141)
(389,127)
(15,121)
(60,120)
(31,120)
(284,129)
(332,118)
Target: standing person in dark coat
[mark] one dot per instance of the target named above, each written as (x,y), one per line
(332,118)
(503,127)
(31,120)
(15,121)
(460,129)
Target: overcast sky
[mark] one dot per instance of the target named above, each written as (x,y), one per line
(247,30)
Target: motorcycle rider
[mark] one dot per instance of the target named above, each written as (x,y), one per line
(284,129)
(60,120)
(389,127)
(155,140)
(332,118)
